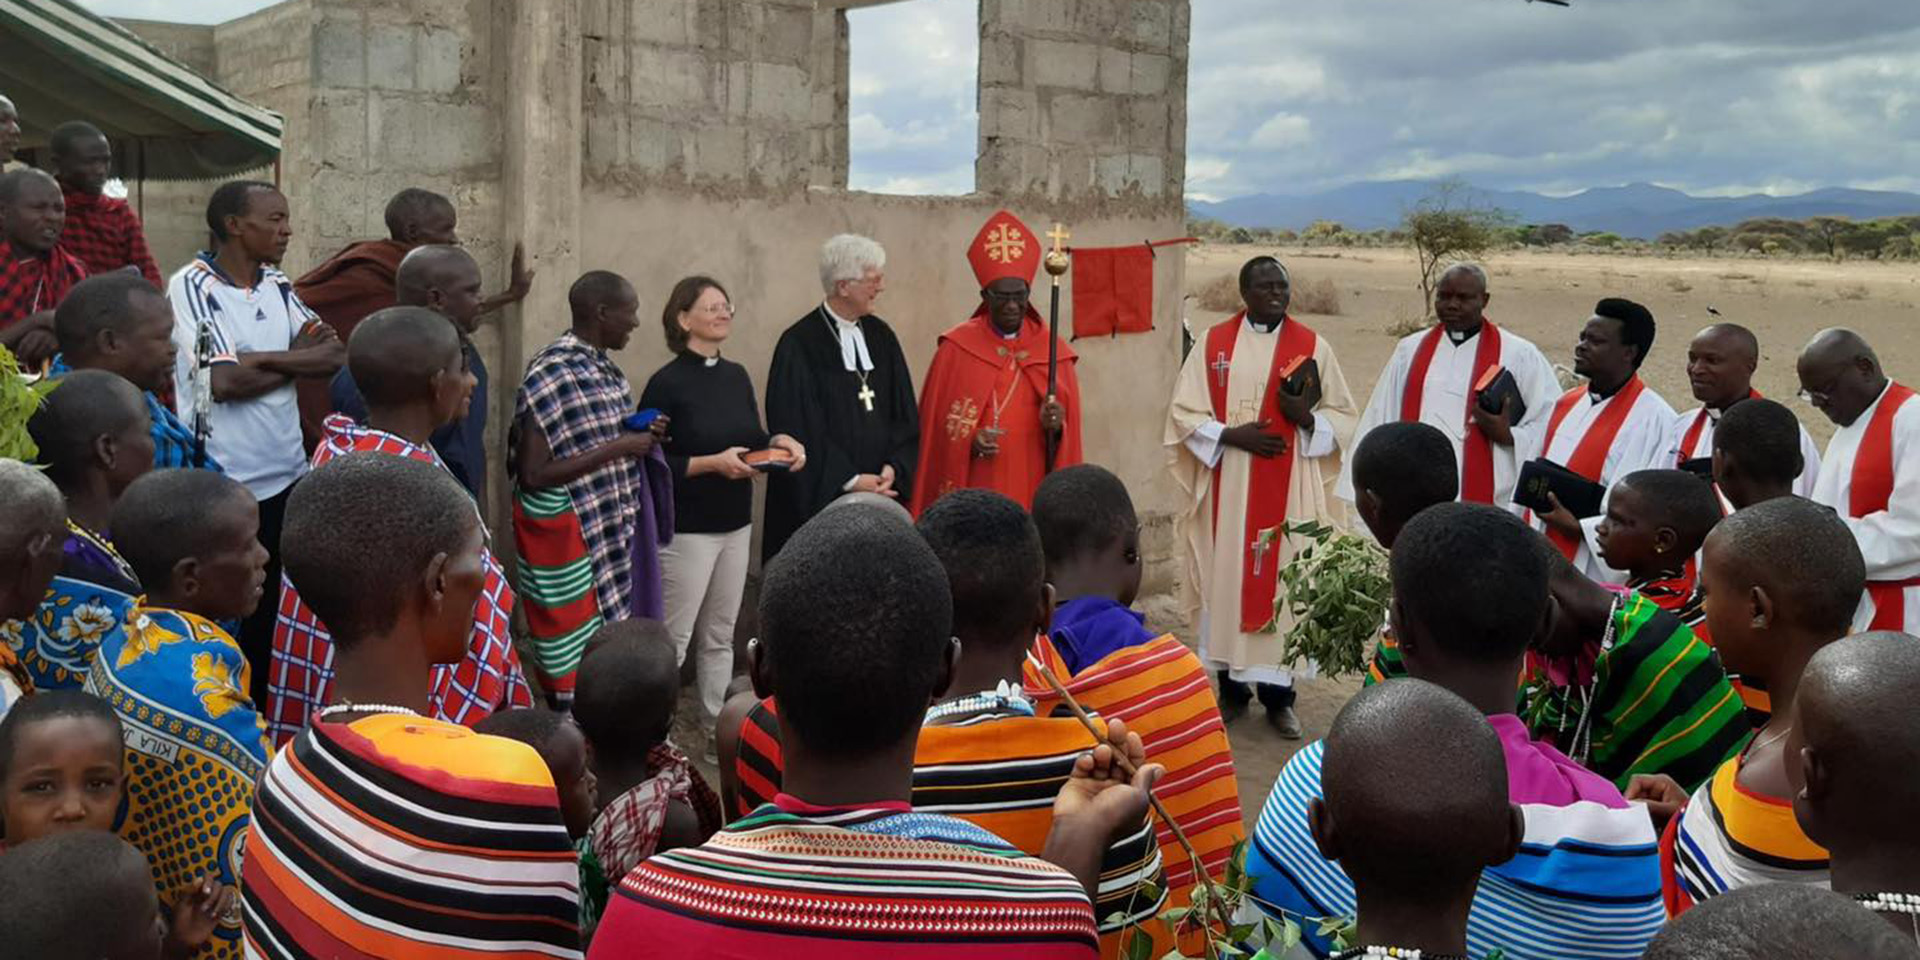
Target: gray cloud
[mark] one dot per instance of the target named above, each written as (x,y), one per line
(1704,95)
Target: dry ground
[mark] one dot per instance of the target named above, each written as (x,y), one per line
(1546,297)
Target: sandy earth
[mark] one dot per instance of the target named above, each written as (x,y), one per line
(1547,297)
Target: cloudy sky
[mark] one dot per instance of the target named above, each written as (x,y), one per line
(1294,96)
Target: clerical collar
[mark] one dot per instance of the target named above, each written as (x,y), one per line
(1596,396)
(1265,327)
(1458,337)
(853,341)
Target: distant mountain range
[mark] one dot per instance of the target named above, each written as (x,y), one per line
(1640,210)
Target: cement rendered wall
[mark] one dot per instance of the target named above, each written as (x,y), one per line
(659,138)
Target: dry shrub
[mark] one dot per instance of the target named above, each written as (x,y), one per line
(1852,291)
(1408,321)
(1738,276)
(1679,285)
(1318,297)
(1803,283)
(1220,295)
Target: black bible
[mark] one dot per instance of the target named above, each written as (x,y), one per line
(1576,493)
(1495,386)
(1701,467)
(1297,376)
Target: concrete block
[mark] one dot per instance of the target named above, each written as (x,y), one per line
(339,53)
(1052,63)
(338,135)
(777,158)
(660,21)
(1069,173)
(779,93)
(1007,112)
(730,83)
(605,141)
(655,148)
(1116,174)
(438,57)
(1000,60)
(390,57)
(719,154)
(1010,168)
(1150,24)
(1072,119)
(333,205)
(1146,125)
(1116,70)
(672,79)
(1033,16)
(783,35)
(714,26)
(1097,18)
(1150,74)
(428,136)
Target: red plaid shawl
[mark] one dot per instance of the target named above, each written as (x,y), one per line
(36,283)
(300,677)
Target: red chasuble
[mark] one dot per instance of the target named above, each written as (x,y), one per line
(1590,457)
(1872,487)
(1271,479)
(980,381)
(1476,472)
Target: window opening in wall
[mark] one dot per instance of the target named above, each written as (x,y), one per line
(913,96)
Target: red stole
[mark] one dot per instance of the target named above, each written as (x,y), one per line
(1590,456)
(1476,468)
(1872,487)
(1692,439)
(1271,477)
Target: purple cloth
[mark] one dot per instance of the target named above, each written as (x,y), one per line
(1087,629)
(1539,773)
(652,529)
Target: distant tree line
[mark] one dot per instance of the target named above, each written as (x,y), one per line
(1839,238)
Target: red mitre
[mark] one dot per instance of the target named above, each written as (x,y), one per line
(1004,248)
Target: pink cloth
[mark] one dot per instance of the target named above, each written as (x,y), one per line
(1537,772)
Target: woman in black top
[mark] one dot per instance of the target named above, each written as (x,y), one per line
(715,421)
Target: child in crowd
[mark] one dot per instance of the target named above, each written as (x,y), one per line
(856,640)
(1106,658)
(1589,884)
(1756,452)
(1400,469)
(179,681)
(61,772)
(473,857)
(570,760)
(1656,521)
(1414,856)
(1782,580)
(1780,921)
(1857,725)
(656,799)
(81,895)
(92,433)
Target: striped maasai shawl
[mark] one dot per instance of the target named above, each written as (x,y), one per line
(195,746)
(1001,773)
(1584,886)
(405,838)
(300,678)
(1659,701)
(803,883)
(1729,837)
(556,583)
(579,400)
(1672,591)
(1160,690)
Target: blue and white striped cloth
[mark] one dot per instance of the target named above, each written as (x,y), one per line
(1585,885)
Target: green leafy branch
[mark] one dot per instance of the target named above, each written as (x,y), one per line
(1273,935)
(19,398)
(1336,587)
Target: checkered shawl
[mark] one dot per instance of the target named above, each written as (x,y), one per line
(36,283)
(105,234)
(172,439)
(627,831)
(300,675)
(578,397)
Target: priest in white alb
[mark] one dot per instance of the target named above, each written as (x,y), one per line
(1606,428)
(1721,361)
(1255,430)
(1871,474)
(1436,376)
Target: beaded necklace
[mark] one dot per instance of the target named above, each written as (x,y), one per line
(1400,953)
(101,544)
(1901,903)
(1004,698)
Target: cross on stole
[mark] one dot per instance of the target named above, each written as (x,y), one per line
(1261,545)
(1220,367)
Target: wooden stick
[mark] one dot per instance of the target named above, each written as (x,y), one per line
(1126,766)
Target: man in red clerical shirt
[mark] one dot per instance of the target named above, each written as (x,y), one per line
(985,415)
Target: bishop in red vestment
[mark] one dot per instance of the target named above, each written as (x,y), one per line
(985,417)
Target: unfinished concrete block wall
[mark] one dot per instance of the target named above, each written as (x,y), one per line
(709,92)
(1083,97)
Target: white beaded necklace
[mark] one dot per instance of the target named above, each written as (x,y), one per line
(343,707)
(1905,903)
(1398,953)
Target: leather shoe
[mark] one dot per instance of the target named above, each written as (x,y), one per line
(1232,710)
(1285,722)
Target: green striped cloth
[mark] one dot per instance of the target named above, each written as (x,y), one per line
(1659,700)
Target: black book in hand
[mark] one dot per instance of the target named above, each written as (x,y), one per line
(1495,386)
(1575,492)
(1701,467)
(1298,376)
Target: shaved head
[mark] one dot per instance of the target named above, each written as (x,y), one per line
(1779,921)
(1841,374)
(431,267)
(395,355)
(862,498)
(1423,844)
(1801,553)
(1734,337)
(1857,722)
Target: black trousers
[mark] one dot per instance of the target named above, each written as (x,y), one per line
(1272,696)
(256,631)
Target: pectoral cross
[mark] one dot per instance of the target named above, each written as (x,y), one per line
(1261,545)
(1220,367)
(866,396)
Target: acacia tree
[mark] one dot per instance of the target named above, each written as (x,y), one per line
(1827,233)
(1446,226)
